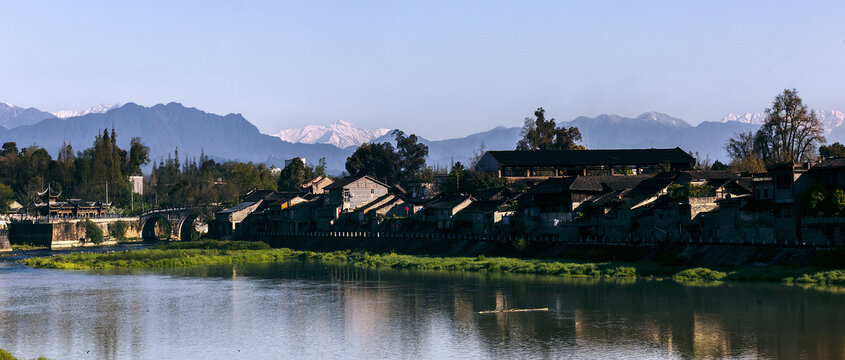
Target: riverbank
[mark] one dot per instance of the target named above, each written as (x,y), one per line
(210,252)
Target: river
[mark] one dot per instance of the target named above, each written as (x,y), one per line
(315,311)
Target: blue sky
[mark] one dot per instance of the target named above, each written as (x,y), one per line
(438,69)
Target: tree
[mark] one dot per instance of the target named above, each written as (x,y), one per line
(542,134)
(718,165)
(791,133)
(139,155)
(376,160)
(411,154)
(9,148)
(746,153)
(835,150)
(294,175)
(7,196)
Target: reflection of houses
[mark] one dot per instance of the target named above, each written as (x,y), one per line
(50,205)
(541,164)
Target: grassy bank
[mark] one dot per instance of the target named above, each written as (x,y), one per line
(5,355)
(211,252)
(221,252)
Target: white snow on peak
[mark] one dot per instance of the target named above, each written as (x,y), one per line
(830,119)
(341,134)
(98,109)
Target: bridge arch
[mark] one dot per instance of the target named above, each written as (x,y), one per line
(186,226)
(180,221)
(148,227)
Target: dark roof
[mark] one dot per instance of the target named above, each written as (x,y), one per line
(496,194)
(831,164)
(604,183)
(237,207)
(588,183)
(711,174)
(445,201)
(50,192)
(485,205)
(591,157)
(255,195)
(351,179)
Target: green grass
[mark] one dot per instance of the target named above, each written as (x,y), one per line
(4,355)
(210,252)
(21,247)
(699,274)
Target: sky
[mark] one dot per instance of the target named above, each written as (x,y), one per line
(438,69)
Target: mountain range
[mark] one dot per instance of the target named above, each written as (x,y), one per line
(165,128)
(12,116)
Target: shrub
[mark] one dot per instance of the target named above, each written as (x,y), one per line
(117,230)
(699,274)
(6,356)
(93,232)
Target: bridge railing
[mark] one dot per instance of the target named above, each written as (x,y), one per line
(41,218)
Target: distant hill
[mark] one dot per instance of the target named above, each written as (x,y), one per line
(166,127)
(12,116)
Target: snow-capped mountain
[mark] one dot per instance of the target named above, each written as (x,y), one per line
(99,109)
(831,119)
(663,119)
(341,134)
(12,116)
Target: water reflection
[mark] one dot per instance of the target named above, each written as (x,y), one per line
(304,310)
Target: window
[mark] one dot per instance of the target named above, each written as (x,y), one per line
(782,182)
(346,196)
(372,191)
(765,193)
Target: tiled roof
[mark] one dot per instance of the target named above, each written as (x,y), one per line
(445,202)
(563,158)
(351,179)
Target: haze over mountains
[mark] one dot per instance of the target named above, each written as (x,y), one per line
(164,128)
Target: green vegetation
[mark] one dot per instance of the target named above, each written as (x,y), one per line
(93,232)
(118,229)
(5,355)
(210,252)
(22,247)
(831,277)
(699,274)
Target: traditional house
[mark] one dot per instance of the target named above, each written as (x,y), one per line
(316,185)
(349,193)
(441,209)
(554,200)
(234,222)
(542,164)
(487,216)
(50,205)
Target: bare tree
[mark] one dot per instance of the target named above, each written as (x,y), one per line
(791,133)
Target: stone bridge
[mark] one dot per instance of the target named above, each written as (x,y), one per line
(181,221)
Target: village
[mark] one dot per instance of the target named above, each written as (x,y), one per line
(587,196)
